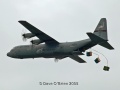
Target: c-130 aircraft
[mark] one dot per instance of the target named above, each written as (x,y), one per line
(47,47)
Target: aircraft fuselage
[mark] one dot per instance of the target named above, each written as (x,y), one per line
(49,51)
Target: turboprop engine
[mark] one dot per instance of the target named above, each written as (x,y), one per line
(36,42)
(28,35)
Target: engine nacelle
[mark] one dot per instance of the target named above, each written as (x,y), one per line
(37,41)
(28,35)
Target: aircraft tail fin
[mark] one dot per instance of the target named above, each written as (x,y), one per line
(99,36)
(101,29)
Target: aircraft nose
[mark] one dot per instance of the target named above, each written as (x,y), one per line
(8,54)
(11,54)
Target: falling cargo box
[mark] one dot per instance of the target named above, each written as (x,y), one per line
(106,68)
(97,60)
(89,53)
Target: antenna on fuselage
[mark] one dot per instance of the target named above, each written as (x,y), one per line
(56,60)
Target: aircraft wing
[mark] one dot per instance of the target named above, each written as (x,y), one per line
(77,58)
(38,33)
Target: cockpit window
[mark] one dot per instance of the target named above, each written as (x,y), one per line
(14,48)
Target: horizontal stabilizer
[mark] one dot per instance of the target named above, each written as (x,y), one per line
(77,58)
(106,45)
(96,39)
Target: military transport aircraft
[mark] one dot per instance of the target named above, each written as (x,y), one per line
(47,47)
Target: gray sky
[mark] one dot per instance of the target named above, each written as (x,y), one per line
(64,20)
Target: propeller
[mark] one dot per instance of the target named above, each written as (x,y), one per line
(23,35)
(31,43)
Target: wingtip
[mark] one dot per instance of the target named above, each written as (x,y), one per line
(112,48)
(103,18)
(85,62)
(21,21)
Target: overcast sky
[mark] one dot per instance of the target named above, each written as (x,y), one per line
(64,20)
